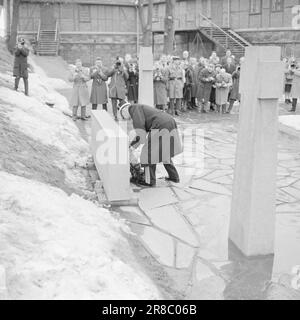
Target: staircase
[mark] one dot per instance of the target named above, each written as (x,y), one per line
(224,38)
(47,42)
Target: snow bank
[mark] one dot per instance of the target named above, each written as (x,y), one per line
(59,247)
(292,121)
(48,125)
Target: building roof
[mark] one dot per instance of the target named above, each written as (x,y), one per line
(108,2)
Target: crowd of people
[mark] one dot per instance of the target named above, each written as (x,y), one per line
(180,84)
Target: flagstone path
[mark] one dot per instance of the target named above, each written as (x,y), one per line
(185,226)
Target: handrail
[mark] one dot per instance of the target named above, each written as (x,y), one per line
(39,31)
(56,30)
(220,29)
(239,37)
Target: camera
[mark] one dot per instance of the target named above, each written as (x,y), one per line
(293,65)
(118,65)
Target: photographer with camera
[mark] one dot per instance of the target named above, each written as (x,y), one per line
(117,86)
(99,91)
(20,64)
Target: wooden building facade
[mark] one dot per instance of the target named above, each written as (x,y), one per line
(107,28)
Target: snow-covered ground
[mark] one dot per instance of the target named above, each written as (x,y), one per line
(54,245)
(292,121)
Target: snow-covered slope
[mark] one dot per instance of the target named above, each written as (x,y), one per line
(53,244)
(56,246)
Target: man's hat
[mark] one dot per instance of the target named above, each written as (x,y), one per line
(123,104)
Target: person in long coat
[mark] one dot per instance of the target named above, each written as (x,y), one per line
(98,74)
(187,90)
(20,64)
(160,79)
(132,82)
(176,83)
(295,92)
(235,91)
(117,86)
(206,80)
(157,130)
(80,93)
(223,85)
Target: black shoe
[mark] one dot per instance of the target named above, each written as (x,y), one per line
(172,180)
(292,110)
(145,184)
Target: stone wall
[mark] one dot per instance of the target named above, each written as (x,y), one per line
(288,40)
(90,46)
(198,46)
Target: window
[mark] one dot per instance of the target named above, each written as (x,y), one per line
(276,5)
(84,13)
(255,6)
(155,16)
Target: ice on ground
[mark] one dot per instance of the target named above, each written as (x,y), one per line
(58,247)
(292,121)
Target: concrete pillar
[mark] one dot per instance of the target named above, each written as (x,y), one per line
(109,145)
(146,76)
(252,222)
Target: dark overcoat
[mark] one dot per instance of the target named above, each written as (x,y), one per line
(117,86)
(187,90)
(133,86)
(158,131)
(20,63)
(206,80)
(99,88)
(235,91)
(160,87)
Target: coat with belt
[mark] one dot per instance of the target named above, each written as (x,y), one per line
(20,62)
(295,93)
(117,86)
(206,80)
(157,130)
(223,85)
(176,82)
(99,89)
(80,93)
(160,80)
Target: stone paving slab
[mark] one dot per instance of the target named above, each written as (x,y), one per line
(160,245)
(168,219)
(184,256)
(156,197)
(209,186)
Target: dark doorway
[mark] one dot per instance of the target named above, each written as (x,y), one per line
(47,17)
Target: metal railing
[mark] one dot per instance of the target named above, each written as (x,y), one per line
(39,31)
(56,30)
(226,34)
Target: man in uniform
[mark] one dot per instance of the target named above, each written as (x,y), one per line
(158,132)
